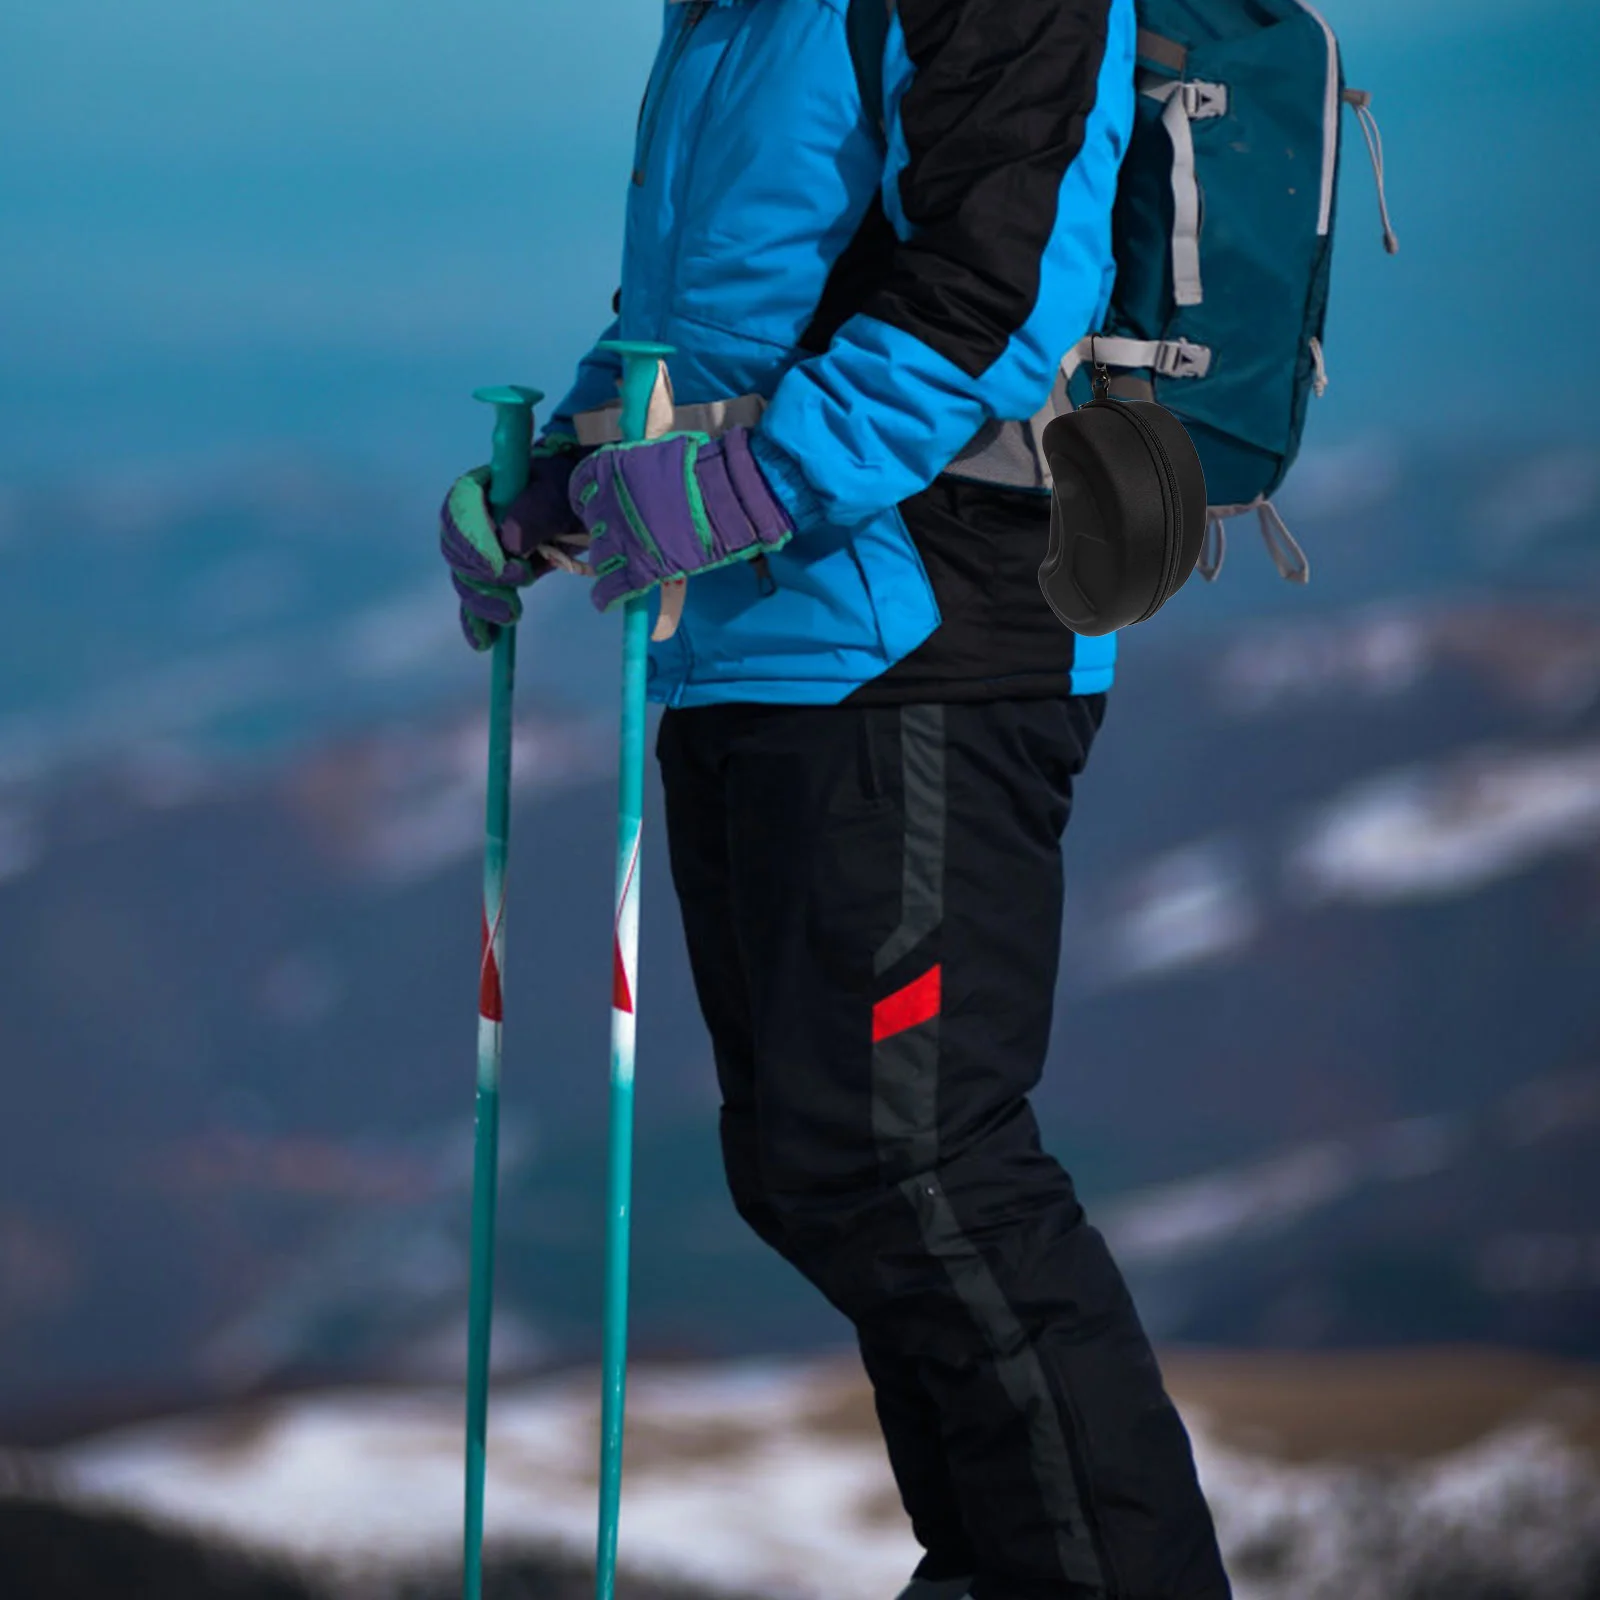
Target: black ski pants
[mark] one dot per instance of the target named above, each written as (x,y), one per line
(872,901)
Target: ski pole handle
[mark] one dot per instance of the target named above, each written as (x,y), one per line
(642,418)
(513,440)
(641,369)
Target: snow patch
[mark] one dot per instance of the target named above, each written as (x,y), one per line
(402,806)
(1545,655)
(1426,833)
(1188,906)
(1517,1513)
(770,1478)
(373,1483)
(1218,1208)
(1376,654)
(1180,1218)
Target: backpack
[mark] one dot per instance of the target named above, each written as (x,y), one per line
(1223,240)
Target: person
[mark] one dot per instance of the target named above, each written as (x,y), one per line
(873,722)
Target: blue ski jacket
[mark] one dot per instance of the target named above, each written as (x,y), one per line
(889,290)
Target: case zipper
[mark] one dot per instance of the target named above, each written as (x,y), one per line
(1169,483)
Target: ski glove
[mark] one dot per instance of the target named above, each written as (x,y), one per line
(672,507)
(537,534)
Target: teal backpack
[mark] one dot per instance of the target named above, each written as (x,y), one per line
(1223,238)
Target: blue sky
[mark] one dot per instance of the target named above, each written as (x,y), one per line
(231,226)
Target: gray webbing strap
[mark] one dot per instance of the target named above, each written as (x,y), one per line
(1287,556)
(1184,103)
(1005,453)
(1012,453)
(1167,358)
(1282,546)
(1212,548)
(715,417)
(1009,453)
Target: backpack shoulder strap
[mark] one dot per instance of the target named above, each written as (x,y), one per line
(867,25)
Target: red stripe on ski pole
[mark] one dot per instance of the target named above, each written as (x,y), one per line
(621,994)
(906,1007)
(621,988)
(490,1005)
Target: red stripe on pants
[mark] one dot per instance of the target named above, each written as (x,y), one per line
(906,1007)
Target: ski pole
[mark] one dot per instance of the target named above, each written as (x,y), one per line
(641,365)
(508,473)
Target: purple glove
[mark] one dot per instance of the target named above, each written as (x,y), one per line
(542,514)
(672,507)
(538,532)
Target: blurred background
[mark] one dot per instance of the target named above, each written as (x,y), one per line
(1327,1055)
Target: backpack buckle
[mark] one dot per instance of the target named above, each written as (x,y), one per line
(1178,358)
(1203,99)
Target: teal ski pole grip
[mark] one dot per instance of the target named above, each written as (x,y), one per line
(508,476)
(513,439)
(640,366)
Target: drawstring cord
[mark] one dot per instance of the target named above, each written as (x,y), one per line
(1361,102)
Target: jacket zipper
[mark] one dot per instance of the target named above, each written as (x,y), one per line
(694,11)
